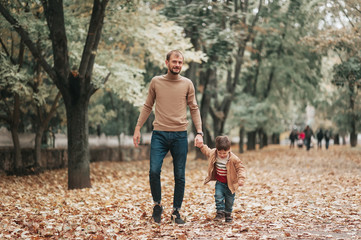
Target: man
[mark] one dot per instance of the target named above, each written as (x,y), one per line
(172,93)
(293,137)
(308,135)
(319,138)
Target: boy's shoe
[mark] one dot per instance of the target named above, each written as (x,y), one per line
(228,217)
(176,217)
(219,216)
(157,213)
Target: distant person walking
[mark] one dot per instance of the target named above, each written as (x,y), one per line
(319,138)
(327,138)
(301,138)
(172,93)
(308,135)
(293,137)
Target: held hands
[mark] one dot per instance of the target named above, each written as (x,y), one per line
(198,141)
(240,182)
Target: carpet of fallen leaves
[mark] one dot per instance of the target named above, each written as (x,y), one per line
(289,194)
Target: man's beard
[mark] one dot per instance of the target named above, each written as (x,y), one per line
(174,73)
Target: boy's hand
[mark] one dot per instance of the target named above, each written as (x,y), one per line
(199,144)
(240,182)
(198,141)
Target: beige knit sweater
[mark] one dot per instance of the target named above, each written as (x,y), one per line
(171,94)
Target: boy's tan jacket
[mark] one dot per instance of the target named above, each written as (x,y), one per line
(235,169)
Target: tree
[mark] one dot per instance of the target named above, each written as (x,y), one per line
(75,73)
(348,75)
(75,89)
(341,35)
(37,93)
(13,86)
(280,76)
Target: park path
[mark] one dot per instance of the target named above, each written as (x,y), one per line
(289,194)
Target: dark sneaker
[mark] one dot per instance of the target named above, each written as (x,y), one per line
(157,213)
(176,217)
(219,216)
(228,217)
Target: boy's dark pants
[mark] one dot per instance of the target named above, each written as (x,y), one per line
(224,198)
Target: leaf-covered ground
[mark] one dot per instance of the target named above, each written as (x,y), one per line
(289,194)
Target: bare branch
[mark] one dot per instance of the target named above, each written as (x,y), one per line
(255,19)
(52,109)
(94,32)
(4,47)
(355,8)
(55,18)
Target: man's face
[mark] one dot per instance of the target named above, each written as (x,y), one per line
(175,63)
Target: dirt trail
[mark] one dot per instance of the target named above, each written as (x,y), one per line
(289,194)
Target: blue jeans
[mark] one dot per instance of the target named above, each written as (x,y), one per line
(224,198)
(177,144)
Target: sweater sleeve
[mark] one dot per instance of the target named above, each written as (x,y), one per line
(193,107)
(148,105)
(206,150)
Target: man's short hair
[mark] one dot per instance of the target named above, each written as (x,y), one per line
(223,143)
(176,52)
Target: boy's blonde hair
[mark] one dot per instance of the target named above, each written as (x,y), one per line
(223,143)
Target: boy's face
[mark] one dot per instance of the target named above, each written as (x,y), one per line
(223,153)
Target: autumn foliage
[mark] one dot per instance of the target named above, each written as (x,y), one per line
(289,194)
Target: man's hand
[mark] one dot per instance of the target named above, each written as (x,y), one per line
(198,141)
(136,136)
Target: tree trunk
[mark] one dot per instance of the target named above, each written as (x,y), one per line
(241,142)
(353,133)
(120,157)
(275,138)
(343,140)
(43,125)
(262,136)
(336,139)
(15,121)
(78,145)
(353,139)
(38,137)
(209,78)
(264,140)
(251,140)
(18,164)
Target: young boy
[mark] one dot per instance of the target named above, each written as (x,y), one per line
(228,171)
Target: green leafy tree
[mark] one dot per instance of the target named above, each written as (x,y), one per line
(279,75)
(341,35)
(38,93)
(13,88)
(348,76)
(74,71)
(76,90)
